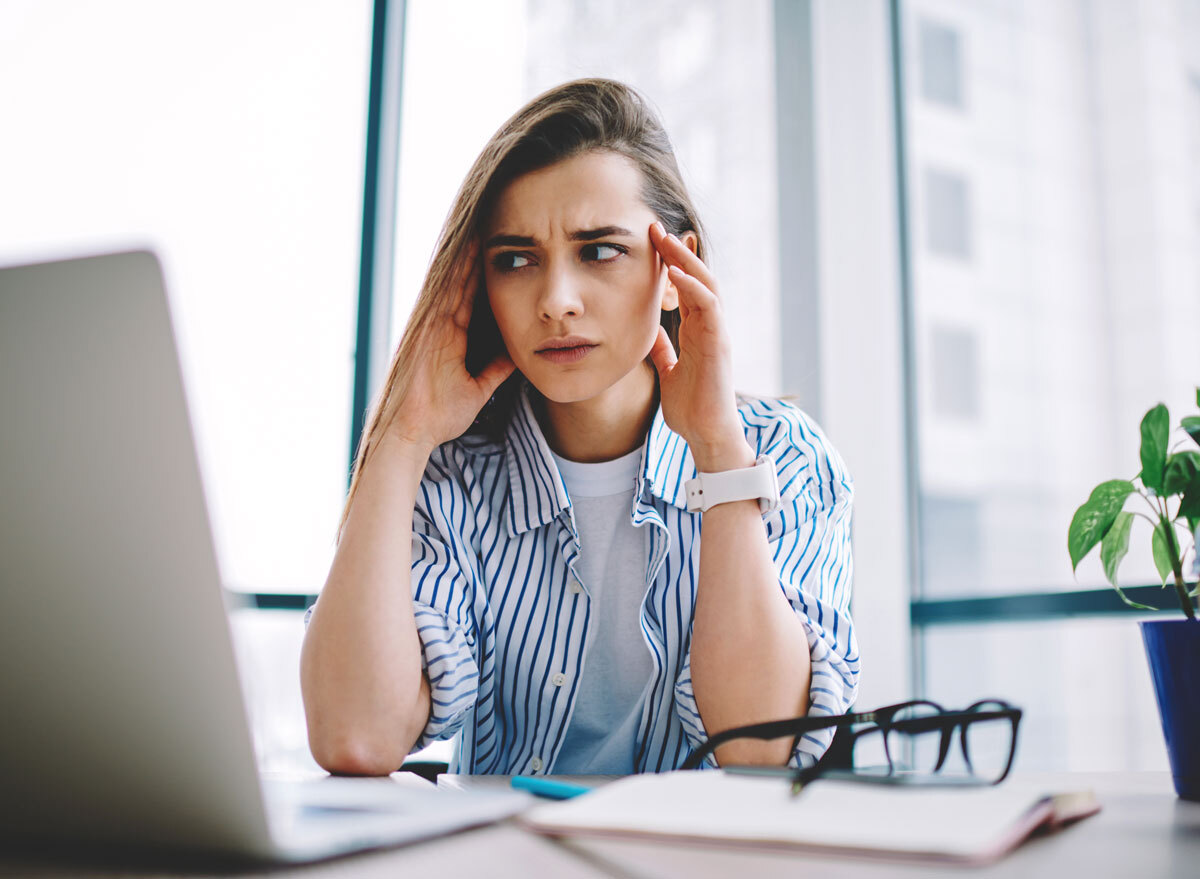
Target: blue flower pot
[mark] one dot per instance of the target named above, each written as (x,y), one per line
(1173,649)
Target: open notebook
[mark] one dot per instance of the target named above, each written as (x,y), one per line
(959,824)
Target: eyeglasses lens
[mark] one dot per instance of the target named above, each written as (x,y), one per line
(914,740)
(869,753)
(988,743)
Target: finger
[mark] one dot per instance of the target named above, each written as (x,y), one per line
(675,252)
(663,353)
(657,233)
(495,373)
(660,264)
(692,293)
(684,311)
(658,236)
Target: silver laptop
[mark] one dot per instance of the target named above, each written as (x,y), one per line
(121,716)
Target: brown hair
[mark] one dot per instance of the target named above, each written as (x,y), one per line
(569,119)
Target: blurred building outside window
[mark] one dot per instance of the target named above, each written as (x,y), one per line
(955,376)
(947,214)
(940,64)
(1078,199)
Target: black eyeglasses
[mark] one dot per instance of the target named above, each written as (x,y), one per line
(906,743)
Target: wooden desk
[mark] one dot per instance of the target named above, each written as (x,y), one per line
(1143,831)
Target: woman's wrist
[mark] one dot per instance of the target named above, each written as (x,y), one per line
(733,454)
(406,456)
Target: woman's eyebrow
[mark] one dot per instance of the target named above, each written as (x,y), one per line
(506,240)
(602,232)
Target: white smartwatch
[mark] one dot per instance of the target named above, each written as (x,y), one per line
(750,483)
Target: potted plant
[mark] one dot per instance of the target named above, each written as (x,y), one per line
(1166,493)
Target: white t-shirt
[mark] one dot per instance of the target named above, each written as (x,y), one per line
(617,668)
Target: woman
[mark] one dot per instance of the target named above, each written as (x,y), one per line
(517,560)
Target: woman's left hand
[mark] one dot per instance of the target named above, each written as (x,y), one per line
(696,385)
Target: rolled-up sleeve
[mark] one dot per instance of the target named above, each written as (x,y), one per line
(809,538)
(443,588)
(449,662)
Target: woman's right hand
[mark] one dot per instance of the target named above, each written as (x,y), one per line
(441,399)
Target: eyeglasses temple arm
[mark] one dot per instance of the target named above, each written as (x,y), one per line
(774,729)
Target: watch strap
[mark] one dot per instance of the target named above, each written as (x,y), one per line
(748,483)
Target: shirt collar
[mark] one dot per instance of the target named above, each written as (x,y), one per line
(667,464)
(536,491)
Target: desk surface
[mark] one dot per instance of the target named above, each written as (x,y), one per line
(1142,830)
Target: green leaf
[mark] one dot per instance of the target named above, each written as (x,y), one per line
(1191,425)
(1092,520)
(1155,427)
(1189,507)
(1162,558)
(1115,545)
(1183,468)
(1198,396)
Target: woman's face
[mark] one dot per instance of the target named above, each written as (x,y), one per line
(575,284)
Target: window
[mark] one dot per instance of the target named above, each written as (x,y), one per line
(246,177)
(1067,199)
(1194,89)
(953,546)
(1084,686)
(1078,290)
(1054,268)
(955,374)
(1194,128)
(947,214)
(236,153)
(941,64)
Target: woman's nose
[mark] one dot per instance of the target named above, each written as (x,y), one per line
(560,295)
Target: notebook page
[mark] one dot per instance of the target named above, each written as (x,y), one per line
(962,822)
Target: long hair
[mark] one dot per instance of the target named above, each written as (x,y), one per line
(573,118)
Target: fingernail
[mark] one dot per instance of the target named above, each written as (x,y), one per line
(675,270)
(671,235)
(659,226)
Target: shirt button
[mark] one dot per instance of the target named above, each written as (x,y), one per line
(576,588)
(559,679)
(536,764)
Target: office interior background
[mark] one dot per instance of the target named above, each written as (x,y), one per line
(964,234)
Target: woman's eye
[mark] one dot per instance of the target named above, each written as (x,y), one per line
(602,252)
(511,261)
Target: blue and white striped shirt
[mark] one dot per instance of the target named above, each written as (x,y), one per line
(504,624)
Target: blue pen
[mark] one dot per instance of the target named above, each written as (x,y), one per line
(548,787)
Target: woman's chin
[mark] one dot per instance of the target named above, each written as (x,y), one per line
(566,388)
(577,386)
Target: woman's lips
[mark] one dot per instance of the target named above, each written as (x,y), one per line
(566,355)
